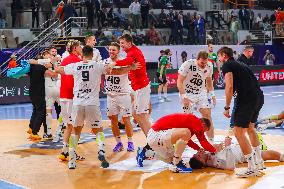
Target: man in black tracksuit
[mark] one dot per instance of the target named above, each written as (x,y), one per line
(240,79)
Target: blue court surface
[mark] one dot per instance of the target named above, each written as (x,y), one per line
(8,185)
(274,104)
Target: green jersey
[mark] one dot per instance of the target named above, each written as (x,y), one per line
(163,62)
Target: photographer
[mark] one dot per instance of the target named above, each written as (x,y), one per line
(268,58)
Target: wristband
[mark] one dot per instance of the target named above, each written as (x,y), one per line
(211,94)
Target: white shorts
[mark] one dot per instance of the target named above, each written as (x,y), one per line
(51,96)
(198,101)
(86,115)
(66,110)
(142,100)
(119,105)
(160,142)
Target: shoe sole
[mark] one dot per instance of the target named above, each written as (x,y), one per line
(120,150)
(132,150)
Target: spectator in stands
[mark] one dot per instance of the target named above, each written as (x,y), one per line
(244,16)
(59,15)
(145,7)
(200,29)
(180,23)
(269,58)
(279,21)
(162,18)
(13,13)
(108,34)
(235,26)
(120,18)
(90,5)
(35,12)
(68,11)
(135,10)
(117,32)
(46,8)
(110,17)
(246,56)
(141,36)
(19,10)
(153,36)
(251,18)
(259,22)
(191,31)
(3,22)
(272,18)
(12,63)
(183,56)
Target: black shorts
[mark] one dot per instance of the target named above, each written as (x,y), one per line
(246,113)
(164,79)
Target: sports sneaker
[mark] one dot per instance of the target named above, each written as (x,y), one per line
(130,147)
(248,173)
(161,99)
(47,136)
(57,137)
(29,131)
(64,156)
(180,168)
(260,166)
(72,163)
(79,158)
(35,137)
(140,156)
(167,99)
(118,147)
(101,157)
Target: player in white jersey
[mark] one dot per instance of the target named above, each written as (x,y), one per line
(91,41)
(118,100)
(86,105)
(229,157)
(196,86)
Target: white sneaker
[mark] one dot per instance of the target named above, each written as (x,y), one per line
(161,99)
(261,127)
(72,163)
(260,166)
(167,99)
(248,173)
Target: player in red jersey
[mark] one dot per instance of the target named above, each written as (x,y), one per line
(140,83)
(66,94)
(172,133)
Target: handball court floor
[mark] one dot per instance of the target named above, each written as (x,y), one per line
(27,165)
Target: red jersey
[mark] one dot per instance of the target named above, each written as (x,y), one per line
(139,78)
(190,121)
(67,81)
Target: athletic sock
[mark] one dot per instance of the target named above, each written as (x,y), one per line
(100,139)
(118,139)
(159,95)
(48,122)
(129,139)
(271,125)
(165,94)
(257,154)
(251,164)
(179,149)
(65,147)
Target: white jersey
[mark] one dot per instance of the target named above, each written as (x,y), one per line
(96,55)
(116,84)
(52,82)
(87,81)
(195,82)
(227,158)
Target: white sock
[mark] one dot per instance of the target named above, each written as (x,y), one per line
(271,125)
(48,122)
(100,139)
(129,139)
(281,157)
(251,164)
(72,154)
(257,154)
(159,95)
(118,139)
(65,147)
(165,94)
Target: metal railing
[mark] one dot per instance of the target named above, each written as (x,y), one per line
(46,38)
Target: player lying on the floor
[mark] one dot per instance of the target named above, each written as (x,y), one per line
(270,121)
(228,157)
(169,136)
